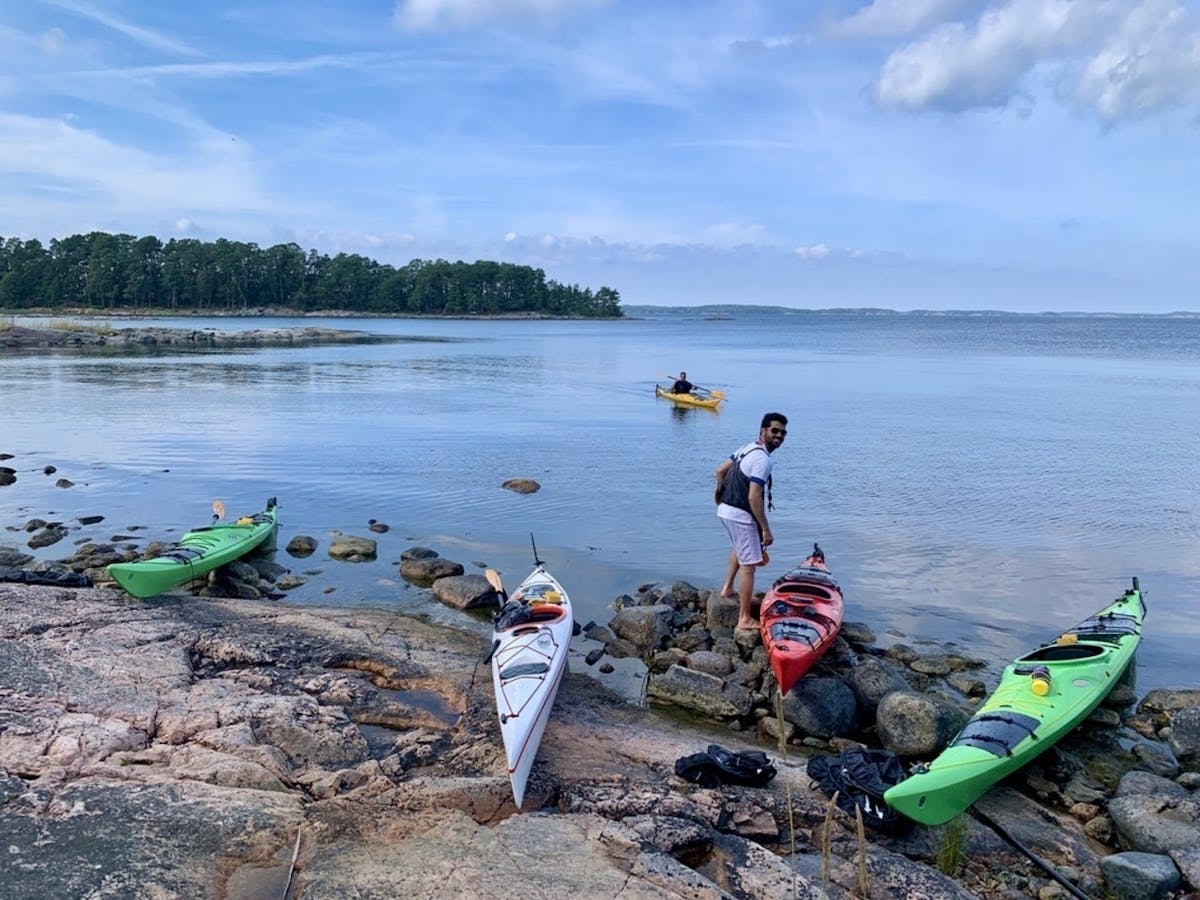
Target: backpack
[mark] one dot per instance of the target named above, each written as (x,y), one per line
(719,766)
(860,776)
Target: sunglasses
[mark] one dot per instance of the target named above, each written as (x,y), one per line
(782,432)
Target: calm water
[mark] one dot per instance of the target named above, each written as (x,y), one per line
(985,481)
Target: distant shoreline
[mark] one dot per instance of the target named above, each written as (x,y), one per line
(275,313)
(631,312)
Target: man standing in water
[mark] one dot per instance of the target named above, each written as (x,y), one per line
(742,481)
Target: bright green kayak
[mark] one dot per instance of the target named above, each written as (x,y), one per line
(1041,697)
(197,553)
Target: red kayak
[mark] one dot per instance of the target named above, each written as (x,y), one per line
(799,619)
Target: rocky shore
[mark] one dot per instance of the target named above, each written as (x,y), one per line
(229,745)
(217,741)
(65,336)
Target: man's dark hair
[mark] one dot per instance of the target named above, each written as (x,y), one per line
(773,417)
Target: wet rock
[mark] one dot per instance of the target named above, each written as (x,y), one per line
(685,595)
(521,486)
(49,470)
(465,592)
(64,483)
(301,546)
(418,553)
(1121,697)
(721,612)
(643,626)
(49,535)
(1184,740)
(1104,718)
(694,639)
(1157,759)
(7,476)
(857,633)
(931,665)
(703,693)
(378,527)
(662,660)
(594,632)
(1161,703)
(821,707)
(352,549)
(619,648)
(10,556)
(717,664)
(89,520)
(425,571)
(872,680)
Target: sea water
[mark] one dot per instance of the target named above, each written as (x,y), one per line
(981,481)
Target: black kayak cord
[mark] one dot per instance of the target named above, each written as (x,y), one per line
(991,823)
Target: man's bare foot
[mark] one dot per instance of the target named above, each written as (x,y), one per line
(749,625)
(729,594)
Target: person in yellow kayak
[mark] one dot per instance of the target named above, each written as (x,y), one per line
(682,385)
(743,496)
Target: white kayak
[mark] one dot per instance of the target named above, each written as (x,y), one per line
(531,636)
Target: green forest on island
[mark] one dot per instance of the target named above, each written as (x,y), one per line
(123,273)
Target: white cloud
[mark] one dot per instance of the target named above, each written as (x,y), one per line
(818,251)
(53,42)
(433,14)
(1152,63)
(53,154)
(144,36)
(897,17)
(1118,57)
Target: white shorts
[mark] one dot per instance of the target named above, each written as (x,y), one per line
(747,543)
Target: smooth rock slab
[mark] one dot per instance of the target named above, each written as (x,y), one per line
(70,847)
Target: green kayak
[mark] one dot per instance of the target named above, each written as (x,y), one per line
(1041,697)
(197,553)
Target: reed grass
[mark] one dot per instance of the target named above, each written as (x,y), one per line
(951,847)
(787,793)
(102,328)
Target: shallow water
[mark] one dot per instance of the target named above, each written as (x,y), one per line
(985,481)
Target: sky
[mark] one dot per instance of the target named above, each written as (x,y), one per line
(1024,155)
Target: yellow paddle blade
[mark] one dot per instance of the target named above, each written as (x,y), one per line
(720,395)
(493,578)
(218,509)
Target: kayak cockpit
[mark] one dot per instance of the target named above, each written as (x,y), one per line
(1062,653)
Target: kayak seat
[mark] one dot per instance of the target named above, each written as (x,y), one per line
(1060,652)
(544,612)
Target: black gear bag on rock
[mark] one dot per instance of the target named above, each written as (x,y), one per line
(860,776)
(719,766)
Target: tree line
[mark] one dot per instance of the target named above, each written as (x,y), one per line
(120,272)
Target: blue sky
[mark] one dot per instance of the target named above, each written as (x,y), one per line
(911,154)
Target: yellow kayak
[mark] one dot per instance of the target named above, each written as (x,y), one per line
(710,402)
